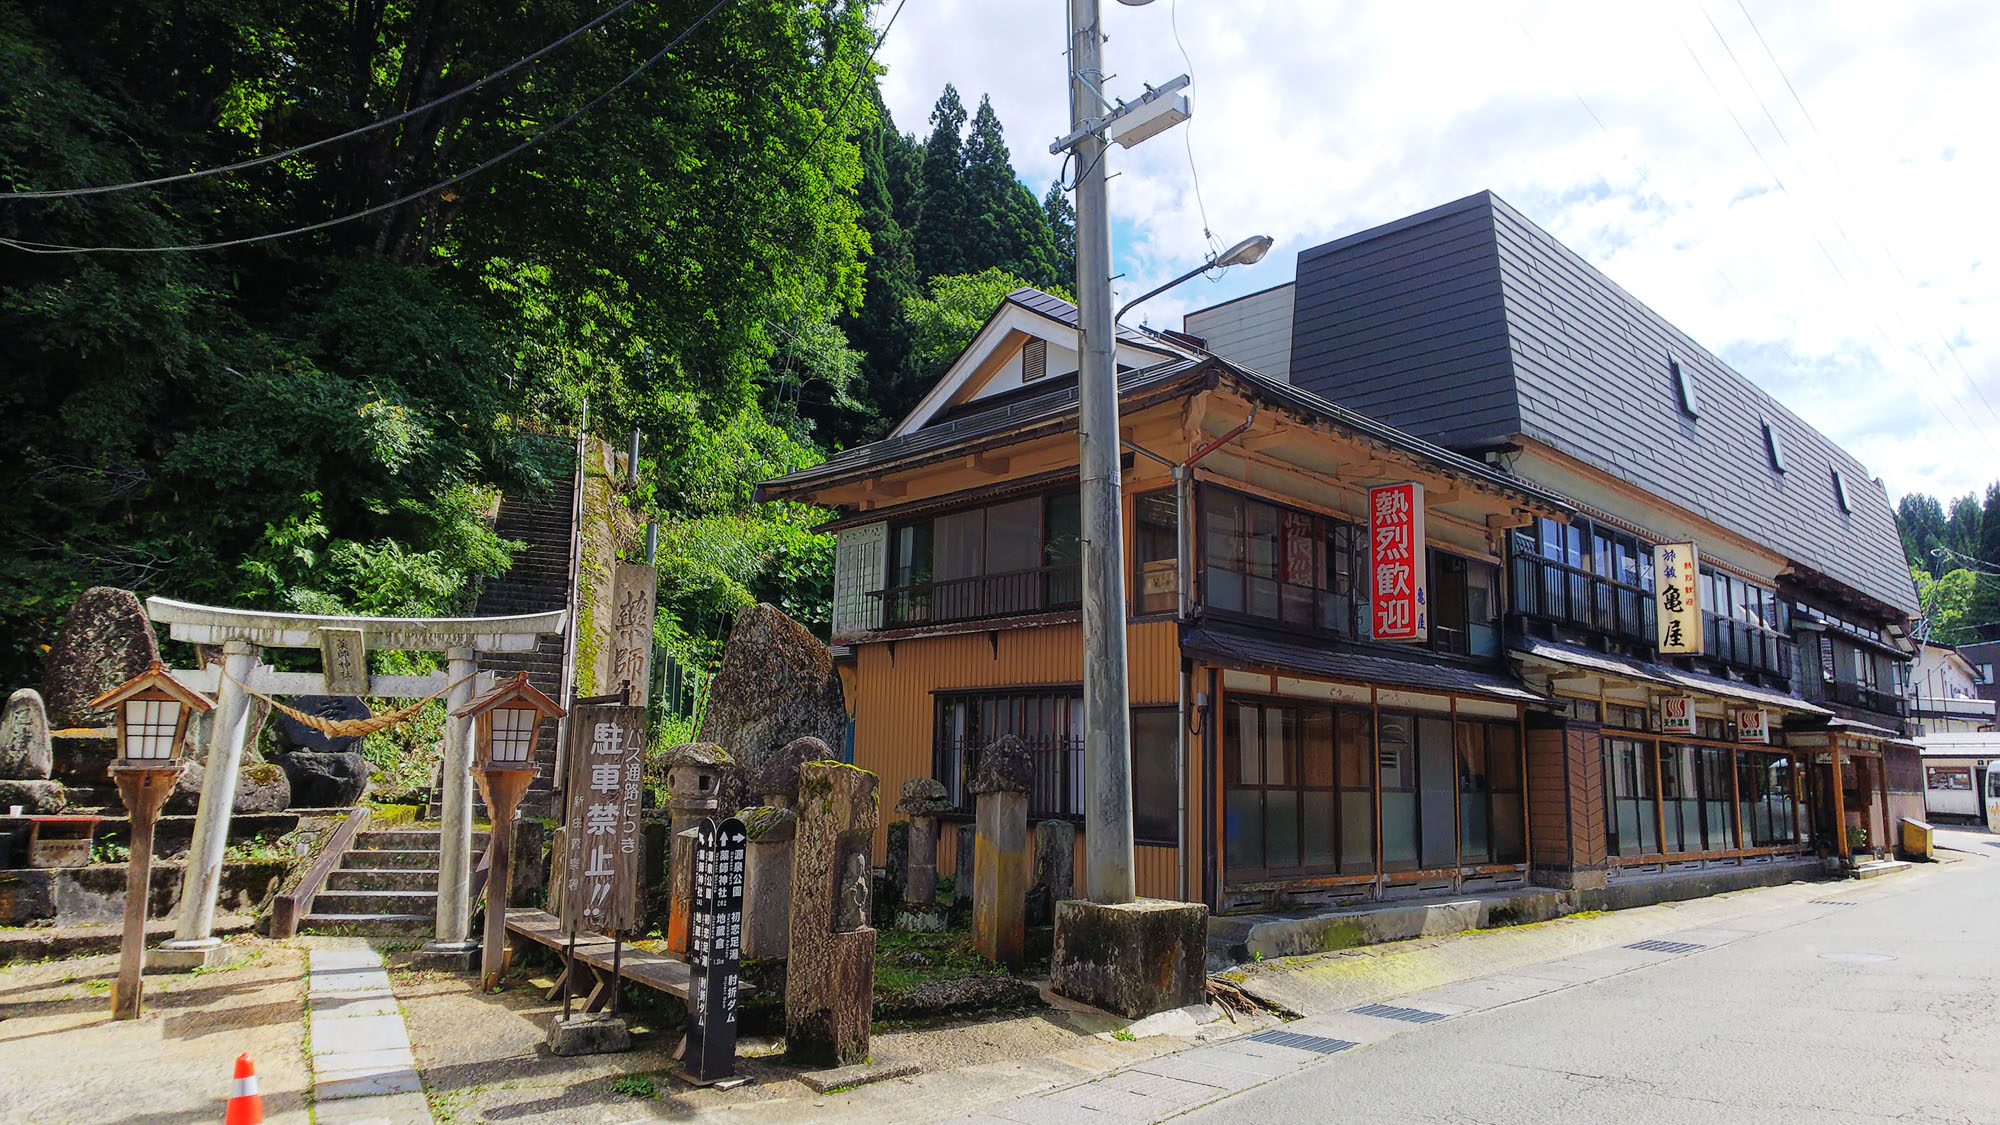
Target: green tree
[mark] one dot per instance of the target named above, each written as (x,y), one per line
(1920,521)
(950,313)
(1949,603)
(1060,215)
(1961,529)
(941,203)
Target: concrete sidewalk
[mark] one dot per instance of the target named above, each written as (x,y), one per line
(363,1070)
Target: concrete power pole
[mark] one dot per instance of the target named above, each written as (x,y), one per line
(1107,745)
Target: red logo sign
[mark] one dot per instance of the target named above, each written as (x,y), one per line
(1396,562)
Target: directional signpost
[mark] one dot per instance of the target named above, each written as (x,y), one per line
(715,954)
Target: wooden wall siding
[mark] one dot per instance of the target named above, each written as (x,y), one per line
(1585,748)
(1157,870)
(1548,799)
(895,712)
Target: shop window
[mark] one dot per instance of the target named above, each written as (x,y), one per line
(1155,768)
(1297,797)
(1768,812)
(1628,764)
(1155,551)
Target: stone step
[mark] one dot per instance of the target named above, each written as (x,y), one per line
(377,859)
(422,903)
(409,839)
(370,925)
(382,879)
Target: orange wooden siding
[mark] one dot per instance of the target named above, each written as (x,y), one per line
(895,713)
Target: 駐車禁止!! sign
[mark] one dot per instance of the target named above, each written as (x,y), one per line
(1396,563)
(600,870)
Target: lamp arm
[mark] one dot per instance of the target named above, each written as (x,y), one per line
(1152,293)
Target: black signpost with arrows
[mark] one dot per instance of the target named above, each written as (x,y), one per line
(715,954)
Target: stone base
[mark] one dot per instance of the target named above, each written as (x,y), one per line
(176,957)
(589,1035)
(1133,958)
(923,919)
(447,956)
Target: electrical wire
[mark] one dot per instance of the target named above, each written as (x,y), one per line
(593,103)
(1187,131)
(864,72)
(1840,174)
(64,193)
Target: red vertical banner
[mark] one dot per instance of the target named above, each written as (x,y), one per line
(1397,563)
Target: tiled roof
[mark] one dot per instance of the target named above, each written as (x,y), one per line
(1250,648)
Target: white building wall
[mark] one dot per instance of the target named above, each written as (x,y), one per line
(1254,331)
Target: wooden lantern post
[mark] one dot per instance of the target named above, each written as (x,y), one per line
(153,710)
(507,720)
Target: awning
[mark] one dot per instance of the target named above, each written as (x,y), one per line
(1665,675)
(1252,650)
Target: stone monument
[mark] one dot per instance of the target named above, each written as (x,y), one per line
(776,683)
(105,640)
(1000,785)
(326,771)
(24,738)
(830,977)
(767,881)
(1055,869)
(923,800)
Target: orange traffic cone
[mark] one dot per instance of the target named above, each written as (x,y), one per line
(246,1106)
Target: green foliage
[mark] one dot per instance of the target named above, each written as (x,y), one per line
(720,564)
(401,758)
(635,1086)
(320,422)
(951,311)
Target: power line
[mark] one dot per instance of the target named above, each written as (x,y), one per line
(1187,134)
(63,193)
(1814,235)
(57,248)
(863,72)
(1840,174)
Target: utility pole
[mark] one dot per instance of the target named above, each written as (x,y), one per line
(1107,738)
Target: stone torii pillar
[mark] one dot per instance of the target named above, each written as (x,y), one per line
(453,946)
(194,943)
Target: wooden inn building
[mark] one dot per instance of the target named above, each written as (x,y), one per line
(1283,757)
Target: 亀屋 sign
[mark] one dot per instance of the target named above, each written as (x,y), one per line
(1396,563)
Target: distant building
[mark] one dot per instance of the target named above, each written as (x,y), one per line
(1945,693)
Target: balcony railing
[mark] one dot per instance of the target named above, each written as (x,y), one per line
(1859,695)
(1552,591)
(1041,590)
(1749,647)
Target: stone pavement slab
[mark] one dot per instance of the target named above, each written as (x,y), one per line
(363,1068)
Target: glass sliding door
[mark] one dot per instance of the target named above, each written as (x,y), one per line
(1628,764)
(1398,779)
(1298,797)
(1438,784)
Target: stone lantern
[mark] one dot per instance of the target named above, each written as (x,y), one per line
(697,775)
(505,723)
(152,711)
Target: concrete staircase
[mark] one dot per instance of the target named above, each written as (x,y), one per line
(385,886)
(537,582)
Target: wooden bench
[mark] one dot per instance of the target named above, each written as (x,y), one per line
(594,960)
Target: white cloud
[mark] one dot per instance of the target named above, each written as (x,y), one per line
(1836,292)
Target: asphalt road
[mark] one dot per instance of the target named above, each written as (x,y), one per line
(1887,1008)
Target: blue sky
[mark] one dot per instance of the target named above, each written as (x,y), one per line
(1805,188)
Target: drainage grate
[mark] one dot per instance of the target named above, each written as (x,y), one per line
(1318,1044)
(1832,902)
(1407,1015)
(1658,946)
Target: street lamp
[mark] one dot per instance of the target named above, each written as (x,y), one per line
(152,709)
(505,723)
(1248,252)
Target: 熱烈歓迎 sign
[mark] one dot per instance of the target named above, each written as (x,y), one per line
(1396,563)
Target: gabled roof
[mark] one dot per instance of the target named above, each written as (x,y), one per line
(1469,325)
(1056,409)
(1022,314)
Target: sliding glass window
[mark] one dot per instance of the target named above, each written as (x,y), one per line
(1628,765)
(1489,794)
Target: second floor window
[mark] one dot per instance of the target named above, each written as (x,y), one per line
(1021,556)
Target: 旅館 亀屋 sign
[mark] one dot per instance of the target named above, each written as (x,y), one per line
(1396,563)
(1677,597)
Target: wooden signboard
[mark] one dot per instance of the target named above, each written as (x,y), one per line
(634,591)
(601,845)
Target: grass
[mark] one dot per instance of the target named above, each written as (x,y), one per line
(635,1086)
(98,986)
(1124,1036)
(905,960)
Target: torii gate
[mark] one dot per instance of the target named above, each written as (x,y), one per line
(343,643)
